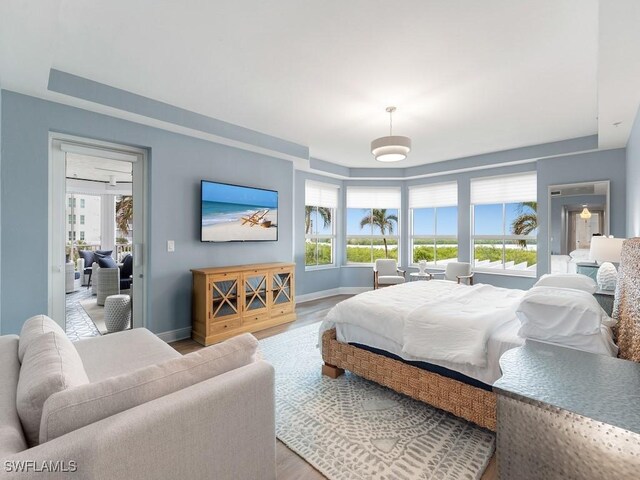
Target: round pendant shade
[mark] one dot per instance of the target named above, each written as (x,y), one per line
(391,148)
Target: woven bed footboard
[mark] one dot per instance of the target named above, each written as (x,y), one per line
(465,401)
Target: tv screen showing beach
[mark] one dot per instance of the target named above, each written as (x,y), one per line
(231,213)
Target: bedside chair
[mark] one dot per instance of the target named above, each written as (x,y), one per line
(457,272)
(386,272)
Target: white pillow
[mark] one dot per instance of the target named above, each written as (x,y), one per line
(576,281)
(580,254)
(50,364)
(553,314)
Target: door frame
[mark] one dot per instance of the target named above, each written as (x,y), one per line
(56,224)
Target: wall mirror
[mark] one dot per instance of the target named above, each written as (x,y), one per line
(577,213)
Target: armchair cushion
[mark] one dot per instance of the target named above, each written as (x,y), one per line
(34,328)
(11,435)
(72,409)
(390,280)
(51,364)
(453,270)
(386,267)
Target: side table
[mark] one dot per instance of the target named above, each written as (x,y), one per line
(605,299)
(420,276)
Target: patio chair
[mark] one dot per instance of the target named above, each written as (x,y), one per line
(256,218)
(107,282)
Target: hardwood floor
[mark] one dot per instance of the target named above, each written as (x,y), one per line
(289,465)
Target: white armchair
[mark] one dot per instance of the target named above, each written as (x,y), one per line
(386,272)
(457,272)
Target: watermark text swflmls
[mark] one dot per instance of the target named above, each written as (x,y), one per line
(45,466)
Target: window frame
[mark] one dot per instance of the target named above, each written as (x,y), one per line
(382,194)
(317,237)
(435,237)
(505,239)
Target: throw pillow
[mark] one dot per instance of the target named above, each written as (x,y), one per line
(51,364)
(32,329)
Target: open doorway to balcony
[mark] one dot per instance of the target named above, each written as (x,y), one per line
(95,222)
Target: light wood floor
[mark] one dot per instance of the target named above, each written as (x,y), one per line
(289,465)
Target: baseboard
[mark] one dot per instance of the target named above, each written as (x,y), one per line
(174,335)
(307,297)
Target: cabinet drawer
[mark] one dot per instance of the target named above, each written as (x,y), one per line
(219,326)
(248,319)
(281,309)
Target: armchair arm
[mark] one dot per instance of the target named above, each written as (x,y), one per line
(468,277)
(222,428)
(402,272)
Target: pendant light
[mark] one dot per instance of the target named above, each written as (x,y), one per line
(585,214)
(391,148)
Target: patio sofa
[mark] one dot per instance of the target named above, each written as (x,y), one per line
(127,405)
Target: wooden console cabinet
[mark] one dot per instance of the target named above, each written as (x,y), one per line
(228,301)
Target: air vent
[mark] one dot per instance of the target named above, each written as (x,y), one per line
(556,193)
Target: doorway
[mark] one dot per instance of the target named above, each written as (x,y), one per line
(97,233)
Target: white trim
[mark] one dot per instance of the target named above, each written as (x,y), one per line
(175,335)
(331,293)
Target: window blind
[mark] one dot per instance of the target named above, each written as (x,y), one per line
(321,195)
(436,195)
(372,197)
(521,187)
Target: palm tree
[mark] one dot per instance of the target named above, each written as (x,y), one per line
(124,213)
(526,221)
(384,222)
(325,214)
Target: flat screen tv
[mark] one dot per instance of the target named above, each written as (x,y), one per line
(233,213)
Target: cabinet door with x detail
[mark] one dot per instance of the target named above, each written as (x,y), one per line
(255,294)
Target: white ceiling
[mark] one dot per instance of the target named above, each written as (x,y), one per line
(468,77)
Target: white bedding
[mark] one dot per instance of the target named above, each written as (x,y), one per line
(456,326)
(377,319)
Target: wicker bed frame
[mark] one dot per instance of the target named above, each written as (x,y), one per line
(461,399)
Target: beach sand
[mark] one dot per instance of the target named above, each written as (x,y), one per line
(224,232)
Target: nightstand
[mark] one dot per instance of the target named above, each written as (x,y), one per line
(605,299)
(588,269)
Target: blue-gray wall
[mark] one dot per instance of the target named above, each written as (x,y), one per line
(177,163)
(633,180)
(585,167)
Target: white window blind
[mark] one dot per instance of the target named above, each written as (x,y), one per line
(436,195)
(372,197)
(521,187)
(321,195)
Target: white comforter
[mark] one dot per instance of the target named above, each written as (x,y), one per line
(435,320)
(455,327)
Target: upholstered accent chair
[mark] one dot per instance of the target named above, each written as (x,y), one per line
(127,405)
(386,272)
(457,272)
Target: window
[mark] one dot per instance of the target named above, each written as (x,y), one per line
(433,211)
(72,218)
(321,202)
(72,201)
(505,223)
(81,219)
(72,236)
(82,203)
(372,224)
(82,236)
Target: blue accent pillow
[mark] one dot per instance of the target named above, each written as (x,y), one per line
(106,262)
(88,256)
(127,267)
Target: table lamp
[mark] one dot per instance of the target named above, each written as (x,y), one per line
(604,251)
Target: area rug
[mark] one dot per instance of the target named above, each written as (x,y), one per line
(96,313)
(351,428)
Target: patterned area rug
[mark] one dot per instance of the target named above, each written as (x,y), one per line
(351,428)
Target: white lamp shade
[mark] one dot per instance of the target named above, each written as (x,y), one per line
(391,149)
(605,249)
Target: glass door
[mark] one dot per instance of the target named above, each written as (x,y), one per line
(281,288)
(225,301)
(255,293)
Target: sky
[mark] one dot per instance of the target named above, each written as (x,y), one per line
(221,192)
(488,221)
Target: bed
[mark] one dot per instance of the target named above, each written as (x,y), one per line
(464,390)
